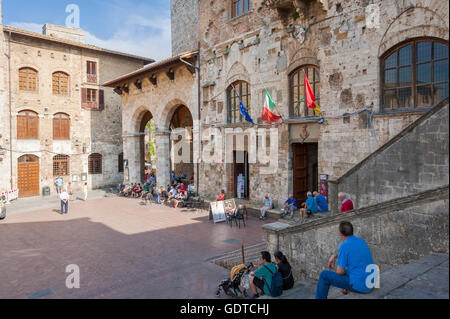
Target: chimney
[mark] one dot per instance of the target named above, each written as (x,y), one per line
(61,32)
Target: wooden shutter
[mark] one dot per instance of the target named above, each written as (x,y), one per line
(65,129)
(101,100)
(33,126)
(21,126)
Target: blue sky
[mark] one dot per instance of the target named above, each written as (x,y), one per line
(139,27)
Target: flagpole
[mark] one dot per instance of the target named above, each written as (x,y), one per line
(281,116)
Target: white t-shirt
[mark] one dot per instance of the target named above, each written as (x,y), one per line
(64,196)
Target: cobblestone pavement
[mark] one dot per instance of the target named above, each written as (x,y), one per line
(123,250)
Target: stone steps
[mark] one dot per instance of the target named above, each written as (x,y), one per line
(426,278)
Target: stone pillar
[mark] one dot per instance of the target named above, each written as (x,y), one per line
(333,196)
(162,157)
(131,153)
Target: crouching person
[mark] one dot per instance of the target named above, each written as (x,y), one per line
(351,273)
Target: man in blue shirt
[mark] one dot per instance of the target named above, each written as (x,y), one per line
(353,259)
(310,206)
(289,206)
(322,204)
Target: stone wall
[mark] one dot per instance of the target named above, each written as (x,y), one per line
(396,231)
(184,16)
(413,161)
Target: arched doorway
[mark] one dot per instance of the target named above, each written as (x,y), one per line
(28,175)
(181,143)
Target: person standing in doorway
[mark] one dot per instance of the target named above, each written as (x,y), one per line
(85,191)
(64,196)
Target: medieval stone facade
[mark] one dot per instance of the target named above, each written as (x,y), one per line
(369,64)
(53,76)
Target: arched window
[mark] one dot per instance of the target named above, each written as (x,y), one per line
(61,126)
(415,74)
(297,98)
(27,125)
(95,163)
(28,79)
(61,165)
(60,83)
(243,89)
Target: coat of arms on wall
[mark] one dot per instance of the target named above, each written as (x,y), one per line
(304,134)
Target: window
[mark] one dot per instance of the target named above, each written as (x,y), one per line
(27,125)
(61,127)
(28,79)
(239,7)
(121,163)
(95,164)
(91,72)
(60,83)
(61,165)
(415,75)
(234,113)
(92,98)
(297,98)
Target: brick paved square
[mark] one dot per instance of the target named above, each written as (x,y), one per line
(123,250)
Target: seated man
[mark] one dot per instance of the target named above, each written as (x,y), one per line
(125,189)
(241,211)
(182,187)
(310,206)
(322,204)
(267,204)
(160,195)
(172,193)
(262,277)
(137,191)
(290,205)
(180,198)
(130,190)
(353,257)
(145,190)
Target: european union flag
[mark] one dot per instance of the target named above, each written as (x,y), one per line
(242,108)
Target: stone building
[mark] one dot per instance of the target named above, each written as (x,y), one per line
(374,67)
(63,122)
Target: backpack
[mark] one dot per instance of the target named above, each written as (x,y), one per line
(276,288)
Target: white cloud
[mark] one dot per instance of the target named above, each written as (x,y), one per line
(129,38)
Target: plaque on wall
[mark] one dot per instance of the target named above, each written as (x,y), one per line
(83,177)
(75,178)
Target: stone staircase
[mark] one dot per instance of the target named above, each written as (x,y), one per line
(426,278)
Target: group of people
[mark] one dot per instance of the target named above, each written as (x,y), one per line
(173,194)
(315,203)
(348,269)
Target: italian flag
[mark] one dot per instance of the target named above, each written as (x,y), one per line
(267,114)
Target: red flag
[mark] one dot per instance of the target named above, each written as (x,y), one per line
(310,98)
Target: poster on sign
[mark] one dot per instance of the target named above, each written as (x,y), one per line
(218,212)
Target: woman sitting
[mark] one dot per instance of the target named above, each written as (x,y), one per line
(180,198)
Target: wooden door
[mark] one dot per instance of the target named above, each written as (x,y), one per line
(300,171)
(28,175)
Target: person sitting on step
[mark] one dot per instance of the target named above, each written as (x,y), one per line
(310,206)
(267,204)
(290,205)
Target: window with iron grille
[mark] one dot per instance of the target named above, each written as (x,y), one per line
(60,83)
(27,125)
(297,97)
(28,79)
(61,165)
(414,75)
(239,7)
(61,126)
(95,164)
(234,113)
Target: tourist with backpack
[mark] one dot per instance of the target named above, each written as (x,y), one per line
(266,278)
(285,269)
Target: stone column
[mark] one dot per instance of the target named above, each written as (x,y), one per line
(333,196)
(162,157)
